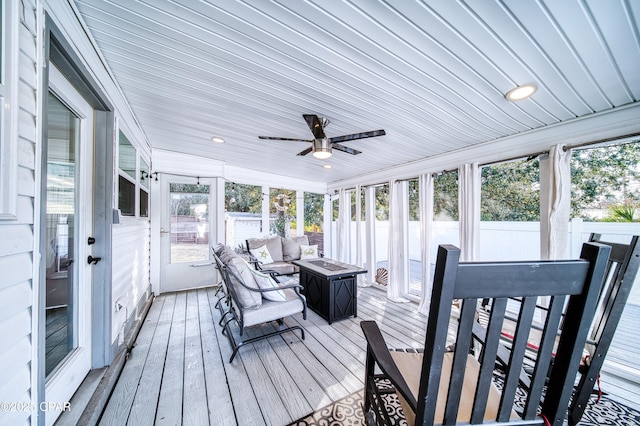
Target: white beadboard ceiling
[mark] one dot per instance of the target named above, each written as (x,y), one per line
(432,74)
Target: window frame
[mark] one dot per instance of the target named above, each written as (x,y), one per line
(136,178)
(8,114)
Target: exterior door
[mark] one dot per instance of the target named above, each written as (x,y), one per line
(186,232)
(67,224)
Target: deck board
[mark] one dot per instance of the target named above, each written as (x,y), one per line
(195,397)
(171,390)
(218,396)
(121,401)
(145,404)
(179,372)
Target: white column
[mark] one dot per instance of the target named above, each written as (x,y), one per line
(299,213)
(266,206)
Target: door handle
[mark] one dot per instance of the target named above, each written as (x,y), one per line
(94,260)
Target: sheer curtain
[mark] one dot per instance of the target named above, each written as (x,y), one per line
(555,203)
(344,222)
(397,237)
(426,225)
(469,180)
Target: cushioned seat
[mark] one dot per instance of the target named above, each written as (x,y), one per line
(270,309)
(410,362)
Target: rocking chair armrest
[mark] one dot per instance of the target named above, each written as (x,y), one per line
(377,348)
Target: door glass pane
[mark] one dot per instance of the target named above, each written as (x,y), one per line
(189,222)
(61,213)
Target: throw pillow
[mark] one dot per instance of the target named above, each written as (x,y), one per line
(265,282)
(274,244)
(247,298)
(291,247)
(308,252)
(262,254)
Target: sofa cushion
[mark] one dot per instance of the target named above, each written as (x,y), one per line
(265,282)
(281,268)
(263,254)
(291,247)
(270,309)
(274,244)
(308,252)
(247,298)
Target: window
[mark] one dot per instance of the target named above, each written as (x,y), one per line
(314,219)
(8,114)
(605,183)
(243,218)
(282,212)
(445,227)
(132,180)
(510,211)
(413,238)
(144,188)
(127,178)
(382,230)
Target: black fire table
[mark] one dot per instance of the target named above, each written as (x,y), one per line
(330,287)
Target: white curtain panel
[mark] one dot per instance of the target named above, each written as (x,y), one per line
(556,206)
(469,180)
(426,228)
(344,222)
(397,277)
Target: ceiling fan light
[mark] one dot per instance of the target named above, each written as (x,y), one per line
(521,92)
(321,148)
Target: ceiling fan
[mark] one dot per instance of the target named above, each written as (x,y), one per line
(321,145)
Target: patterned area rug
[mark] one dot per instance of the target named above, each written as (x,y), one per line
(349,411)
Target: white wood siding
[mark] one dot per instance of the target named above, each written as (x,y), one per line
(17,255)
(130,270)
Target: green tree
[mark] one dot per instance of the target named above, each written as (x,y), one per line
(511,191)
(445,196)
(186,195)
(604,177)
(313,211)
(242,198)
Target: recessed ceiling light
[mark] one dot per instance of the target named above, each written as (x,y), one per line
(327,166)
(521,92)
(217,139)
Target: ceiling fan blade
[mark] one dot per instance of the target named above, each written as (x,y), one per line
(315,125)
(345,149)
(284,139)
(305,152)
(354,136)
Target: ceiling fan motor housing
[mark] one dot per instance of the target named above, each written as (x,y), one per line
(321,148)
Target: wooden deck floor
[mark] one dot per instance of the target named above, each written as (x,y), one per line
(179,371)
